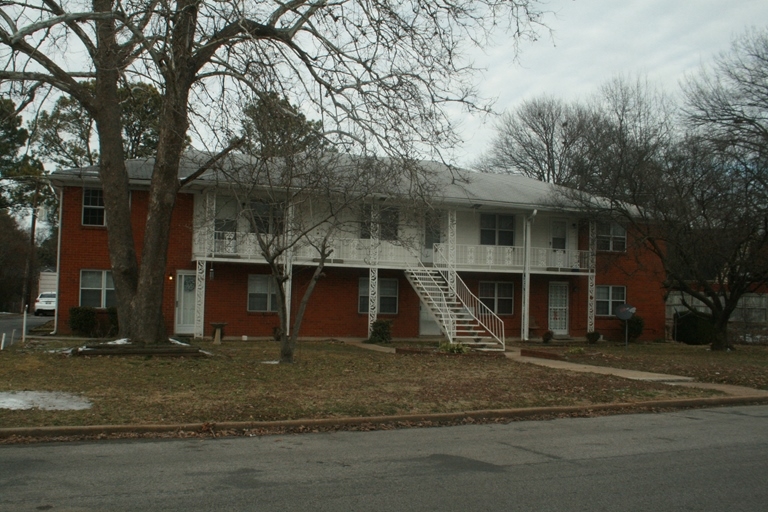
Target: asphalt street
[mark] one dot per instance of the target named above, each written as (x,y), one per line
(704,460)
(10,325)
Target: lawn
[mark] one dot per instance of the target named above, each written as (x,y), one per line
(747,365)
(329,379)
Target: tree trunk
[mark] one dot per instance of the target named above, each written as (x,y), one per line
(294,337)
(720,336)
(147,323)
(112,172)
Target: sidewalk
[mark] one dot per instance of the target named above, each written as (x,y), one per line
(513,353)
(677,380)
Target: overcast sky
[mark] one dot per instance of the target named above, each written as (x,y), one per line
(595,40)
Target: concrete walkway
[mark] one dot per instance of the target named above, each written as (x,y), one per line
(513,353)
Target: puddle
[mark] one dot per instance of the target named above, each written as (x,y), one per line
(46,400)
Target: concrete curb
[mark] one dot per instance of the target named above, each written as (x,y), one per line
(512,414)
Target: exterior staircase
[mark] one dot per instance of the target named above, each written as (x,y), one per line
(462,317)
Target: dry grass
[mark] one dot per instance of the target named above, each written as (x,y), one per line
(745,366)
(328,380)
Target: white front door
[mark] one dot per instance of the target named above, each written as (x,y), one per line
(427,324)
(185,302)
(558,308)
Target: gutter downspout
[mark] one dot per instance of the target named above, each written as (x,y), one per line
(58,265)
(525,310)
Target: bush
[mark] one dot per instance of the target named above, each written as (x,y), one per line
(593,337)
(453,348)
(82,321)
(635,327)
(381,332)
(693,329)
(547,336)
(114,326)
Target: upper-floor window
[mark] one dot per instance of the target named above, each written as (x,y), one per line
(267,217)
(608,297)
(611,237)
(387,294)
(497,229)
(93,207)
(97,290)
(498,296)
(262,293)
(389,221)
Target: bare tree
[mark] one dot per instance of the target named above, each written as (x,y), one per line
(542,139)
(729,102)
(298,196)
(691,200)
(379,73)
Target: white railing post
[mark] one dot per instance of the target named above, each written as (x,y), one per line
(591,285)
(200,299)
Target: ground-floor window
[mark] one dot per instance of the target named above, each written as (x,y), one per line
(608,297)
(498,296)
(97,290)
(387,296)
(262,293)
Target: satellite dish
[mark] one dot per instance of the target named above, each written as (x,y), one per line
(625,311)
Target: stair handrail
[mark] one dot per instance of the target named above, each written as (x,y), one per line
(447,320)
(479,311)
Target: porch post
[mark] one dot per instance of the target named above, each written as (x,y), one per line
(452,249)
(288,264)
(200,299)
(373,269)
(526,292)
(591,293)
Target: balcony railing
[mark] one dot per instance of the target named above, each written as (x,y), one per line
(494,257)
(354,252)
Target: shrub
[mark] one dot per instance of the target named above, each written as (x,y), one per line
(635,327)
(693,329)
(381,332)
(82,321)
(593,337)
(453,348)
(114,326)
(547,336)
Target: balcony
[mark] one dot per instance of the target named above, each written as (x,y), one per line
(495,257)
(353,252)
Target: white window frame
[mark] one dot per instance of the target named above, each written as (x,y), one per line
(611,237)
(611,301)
(495,298)
(267,217)
(362,295)
(497,229)
(94,209)
(271,286)
(389,223)
(105,298)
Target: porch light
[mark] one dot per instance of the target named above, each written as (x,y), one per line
(210,273)
(170,275)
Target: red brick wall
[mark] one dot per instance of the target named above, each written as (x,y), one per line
(85,247)
(332,308)
(642,273)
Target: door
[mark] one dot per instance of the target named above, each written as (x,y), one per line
(427,324)
(431,236)
(558,308)
(185,302)
(558,243)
